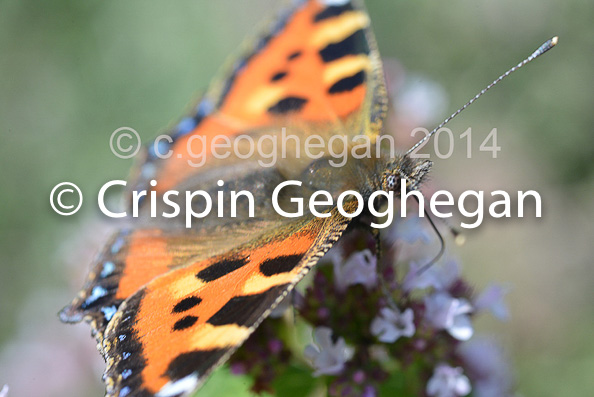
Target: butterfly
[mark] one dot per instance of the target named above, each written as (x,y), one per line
(168,304)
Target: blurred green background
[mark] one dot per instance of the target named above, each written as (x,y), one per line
(73,72)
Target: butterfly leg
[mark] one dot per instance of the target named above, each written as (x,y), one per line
(378,243)
(381,264)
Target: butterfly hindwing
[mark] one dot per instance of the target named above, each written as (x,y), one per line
(167,337)
(128,261)
(133,258)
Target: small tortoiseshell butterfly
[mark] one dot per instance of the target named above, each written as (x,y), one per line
(168,304)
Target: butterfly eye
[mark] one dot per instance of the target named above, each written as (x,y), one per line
(391,182)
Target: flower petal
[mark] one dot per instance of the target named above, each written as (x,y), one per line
(327,358)
(492,299)
(359,268)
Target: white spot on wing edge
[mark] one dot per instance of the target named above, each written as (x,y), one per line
(108,268)
(117,245)
(183,385)
(96,293)
(108,312)
(126,373)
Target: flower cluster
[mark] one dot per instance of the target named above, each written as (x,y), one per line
(389,326)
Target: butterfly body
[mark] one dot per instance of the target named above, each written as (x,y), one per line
(168,304)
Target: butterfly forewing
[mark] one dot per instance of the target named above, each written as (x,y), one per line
(316,71)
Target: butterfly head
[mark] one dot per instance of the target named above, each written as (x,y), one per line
(413,171)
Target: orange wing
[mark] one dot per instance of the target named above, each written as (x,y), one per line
(133,258)
(167,337)
(317,69)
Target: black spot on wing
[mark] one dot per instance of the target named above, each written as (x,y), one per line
(186,304)
(240,65)
(348,83)
(294,55)
(280,264)
(287,105)
(261,44)
(278,76)
(332,11)
(355,44)
(220,269)
(245,310)
(185,323)
(198,361)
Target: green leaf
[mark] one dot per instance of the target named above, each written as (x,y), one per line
(296,381)
(221,383)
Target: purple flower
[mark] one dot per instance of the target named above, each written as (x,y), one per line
(492,299)
(415,280)
(451,314)
(275,346)
(369,391)
(238,368)
(408,230)
(440,276)
(359,268)
(327,357)
(359,377)
(390,325)
(487,367)
(448,382)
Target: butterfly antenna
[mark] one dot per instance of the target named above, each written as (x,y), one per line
(441,243)
(540,51)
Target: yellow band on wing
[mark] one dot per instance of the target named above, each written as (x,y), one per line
(345,67)
(337,29)
(208,336)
